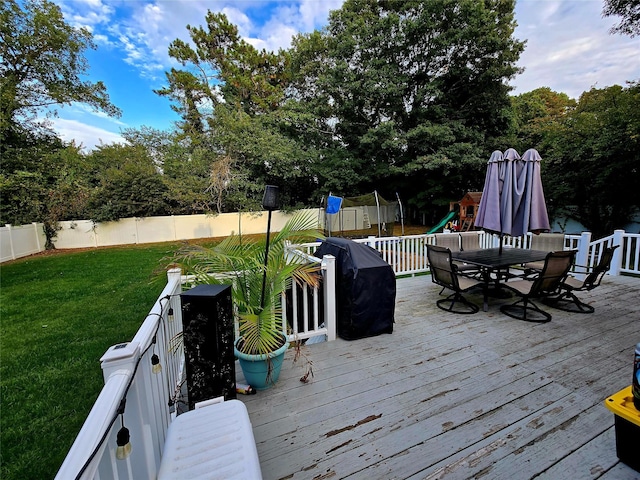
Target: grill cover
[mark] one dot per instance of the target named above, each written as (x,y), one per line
(366,289)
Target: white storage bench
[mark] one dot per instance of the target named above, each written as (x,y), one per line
(213,442)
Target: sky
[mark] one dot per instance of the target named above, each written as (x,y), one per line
(569,49)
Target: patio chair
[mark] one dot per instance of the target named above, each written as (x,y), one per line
(452,241)
(448,240)
(547,242)
(444,272)
(567,300)
(469,241)
(554,271)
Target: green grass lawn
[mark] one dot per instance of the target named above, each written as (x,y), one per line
(58,315)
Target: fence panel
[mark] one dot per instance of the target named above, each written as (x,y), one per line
(80,234)
(192,226)
(21,241)
(122,232)
(155,229)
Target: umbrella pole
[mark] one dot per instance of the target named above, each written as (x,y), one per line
(500,249)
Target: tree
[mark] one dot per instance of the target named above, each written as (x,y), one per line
(593,153)
(129,184)
(411,92)
(54,187)
(533,112)
(41,65)
(185,167)
(391,94)
(259,150)
(629,10)
(235,114)
(221,68)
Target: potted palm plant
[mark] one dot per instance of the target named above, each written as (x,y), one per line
(259,276)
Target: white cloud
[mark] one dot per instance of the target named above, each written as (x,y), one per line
(289,19)
(86,13)
(315,13)
(274,36)
(103,40)
(143,30)
(84,109)
(86,135)
(572,49)
(569,48)
(240,20)
(91,3)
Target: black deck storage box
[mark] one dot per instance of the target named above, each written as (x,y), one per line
(365,289)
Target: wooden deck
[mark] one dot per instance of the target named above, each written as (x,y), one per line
(457,396)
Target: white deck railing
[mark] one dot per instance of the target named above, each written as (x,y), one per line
(408,255)
(149,399)
(311,314)
(130,384)
(127,367)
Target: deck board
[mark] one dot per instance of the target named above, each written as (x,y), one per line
(456,396)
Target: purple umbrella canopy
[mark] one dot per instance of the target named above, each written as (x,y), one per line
(531,215)
(488,215)
(512,200)
(509,197)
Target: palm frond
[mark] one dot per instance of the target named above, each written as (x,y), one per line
(240,261)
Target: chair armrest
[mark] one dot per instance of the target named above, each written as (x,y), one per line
(584,270)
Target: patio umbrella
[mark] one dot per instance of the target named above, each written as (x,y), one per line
(530,215)
(511,191)
(488,215)
(495,211)
(512,201)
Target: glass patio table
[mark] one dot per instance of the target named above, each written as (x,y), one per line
(492,261)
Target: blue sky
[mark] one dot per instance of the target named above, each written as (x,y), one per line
(569,49)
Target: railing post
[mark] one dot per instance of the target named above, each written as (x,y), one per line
(119,357)
(616,261)
(35,232)
(329,268)
(174,274)
(13,254)
(582,255)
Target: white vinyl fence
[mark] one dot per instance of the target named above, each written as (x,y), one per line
(85,233)
(25,240)
(21,241)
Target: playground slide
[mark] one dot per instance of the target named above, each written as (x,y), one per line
(443,222)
